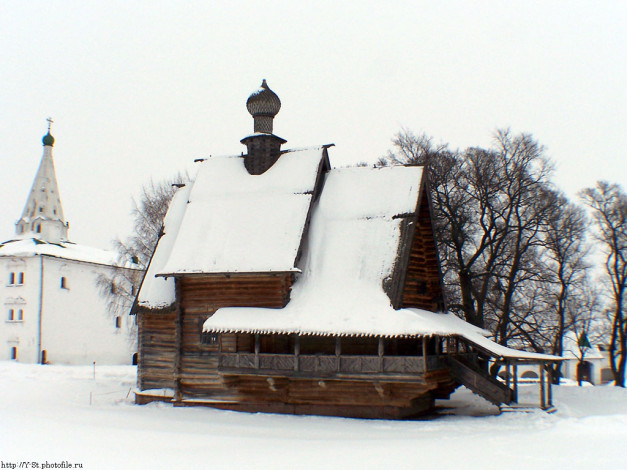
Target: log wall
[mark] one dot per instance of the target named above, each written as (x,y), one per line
(200,297)
(157,350)
(379,397)
(423,285)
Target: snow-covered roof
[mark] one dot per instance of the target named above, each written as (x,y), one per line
(25,247)
(351,248)
(238,222)
(158,292)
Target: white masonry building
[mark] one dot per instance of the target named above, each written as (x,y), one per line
(52,311)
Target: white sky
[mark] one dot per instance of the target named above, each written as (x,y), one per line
(139,89)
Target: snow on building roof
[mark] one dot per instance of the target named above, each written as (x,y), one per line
(238,222)
(350,250)
(158,292)
(25,247)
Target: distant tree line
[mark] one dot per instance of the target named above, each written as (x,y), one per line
(516,253)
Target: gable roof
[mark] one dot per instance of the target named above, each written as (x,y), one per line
(236,222)
(229,221)
(351,248)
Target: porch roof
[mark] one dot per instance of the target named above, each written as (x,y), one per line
(389,323)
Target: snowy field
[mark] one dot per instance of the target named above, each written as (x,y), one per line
(61,414)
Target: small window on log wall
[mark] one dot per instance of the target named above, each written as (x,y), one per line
(421,287)
(209,338)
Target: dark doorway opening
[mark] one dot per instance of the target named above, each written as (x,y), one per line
(584,372)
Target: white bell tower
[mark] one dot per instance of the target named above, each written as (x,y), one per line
(42,217)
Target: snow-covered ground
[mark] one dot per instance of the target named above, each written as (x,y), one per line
(59,414)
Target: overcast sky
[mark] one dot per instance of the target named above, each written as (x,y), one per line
(138,89)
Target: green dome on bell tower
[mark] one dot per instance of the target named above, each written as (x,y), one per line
(48,139)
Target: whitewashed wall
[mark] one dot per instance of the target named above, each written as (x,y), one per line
(23,334)
(76,327)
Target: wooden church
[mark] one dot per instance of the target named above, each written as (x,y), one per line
(281,284)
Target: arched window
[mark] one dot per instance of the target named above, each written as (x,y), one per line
(529,374)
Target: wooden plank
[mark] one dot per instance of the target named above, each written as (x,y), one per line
(542,392)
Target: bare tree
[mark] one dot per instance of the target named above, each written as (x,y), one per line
(411,149)
(120,287)
(585,312)
(491,209)
(512,247)
(566,266)
(526,203)
(609,207)
(493,204)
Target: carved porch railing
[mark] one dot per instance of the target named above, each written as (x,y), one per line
(327,364)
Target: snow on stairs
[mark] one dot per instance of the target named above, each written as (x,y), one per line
(480,382)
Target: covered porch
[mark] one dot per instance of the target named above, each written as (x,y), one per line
(383,358)
(408,346)
(324,356)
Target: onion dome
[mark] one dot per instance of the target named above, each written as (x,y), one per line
(263,104)
(263,101)
(48,139)
(264,148)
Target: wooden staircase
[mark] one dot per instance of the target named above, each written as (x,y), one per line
(480,382)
